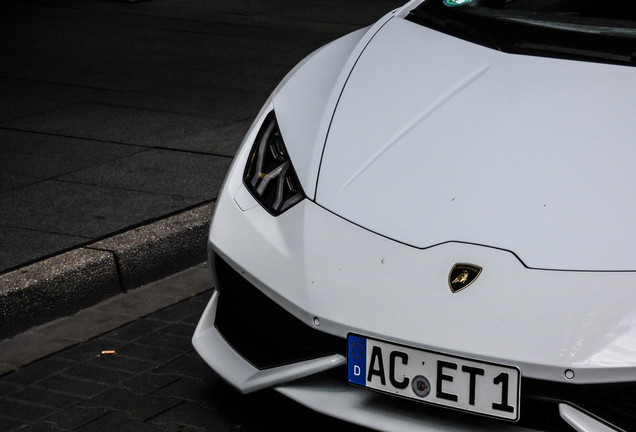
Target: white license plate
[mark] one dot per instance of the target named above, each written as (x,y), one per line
(464,384)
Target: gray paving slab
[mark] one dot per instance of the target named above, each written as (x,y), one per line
(225,104)
(219,21)
(84,210)
(161,171)
(14,181)
(25,97)
(211,80)
(222,141)
(116,124)
(27,347)
(359,12)
(42,156)
(20,246)
(83,325)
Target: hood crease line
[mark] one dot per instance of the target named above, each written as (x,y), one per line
(427,112)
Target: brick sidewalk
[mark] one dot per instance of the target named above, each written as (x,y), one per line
(154,381)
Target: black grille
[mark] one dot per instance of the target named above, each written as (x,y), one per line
(263,332)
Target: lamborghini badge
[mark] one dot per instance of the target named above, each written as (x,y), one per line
(462,275)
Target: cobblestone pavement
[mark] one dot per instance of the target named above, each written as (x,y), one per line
(155,381)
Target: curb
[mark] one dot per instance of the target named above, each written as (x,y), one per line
(64,284)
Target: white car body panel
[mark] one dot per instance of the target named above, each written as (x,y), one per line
(541,321)
(529,169)
(308,96)
(529,195)
(352,404)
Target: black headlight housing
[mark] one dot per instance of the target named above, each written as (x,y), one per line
(269,174)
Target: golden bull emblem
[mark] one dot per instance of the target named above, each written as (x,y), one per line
(462,275)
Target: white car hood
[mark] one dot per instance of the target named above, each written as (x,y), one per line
(435,139)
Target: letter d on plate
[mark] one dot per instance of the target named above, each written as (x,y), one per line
(357,360)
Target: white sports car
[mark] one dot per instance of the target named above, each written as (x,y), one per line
(438,213)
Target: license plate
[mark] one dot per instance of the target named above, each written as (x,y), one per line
(464,384)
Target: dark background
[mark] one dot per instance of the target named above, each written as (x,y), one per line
(114,114)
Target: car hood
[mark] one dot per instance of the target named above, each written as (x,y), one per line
(435,139)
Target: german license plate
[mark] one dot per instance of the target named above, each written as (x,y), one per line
(464,384)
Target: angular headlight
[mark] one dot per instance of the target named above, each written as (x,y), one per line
(269,174)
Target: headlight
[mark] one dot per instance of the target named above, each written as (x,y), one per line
(269,174)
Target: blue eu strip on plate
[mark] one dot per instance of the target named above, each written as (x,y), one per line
(357,359)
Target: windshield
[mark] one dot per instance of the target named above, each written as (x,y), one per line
(578,29)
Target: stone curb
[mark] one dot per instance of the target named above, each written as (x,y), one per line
(64,284)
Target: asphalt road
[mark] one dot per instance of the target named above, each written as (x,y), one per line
(153,380)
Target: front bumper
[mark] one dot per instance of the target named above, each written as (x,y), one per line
(545,405)
(335,278)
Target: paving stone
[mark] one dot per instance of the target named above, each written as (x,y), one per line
(130,303)
(179,311)
(180,329)
(14,181)
(193,281)
(84,324)
(86,351)
(42,156)
(222,141)
(189,366)
(230,106)
(22,97)
(203,298)
(76,416)
(156,355)
(194,390)
(168,340)
(41,396)
(121,363)
(7,424)
(192,319)
(148,383)
(84,210)
(211,79)
(71,386)
(160,171)
(22,246)
(8,388)
(6,368)
(121,422)
(98,374)
(23,349)
(25,411)
(37,371)
(221,48)
(41,427)
(192,414)
(336,11)
(135,330)
(140,408)
(117,124)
